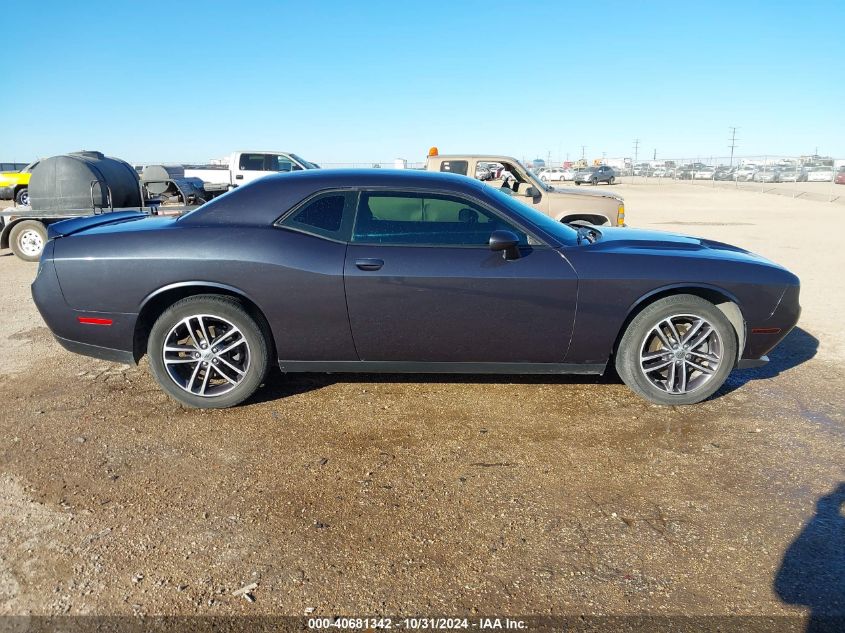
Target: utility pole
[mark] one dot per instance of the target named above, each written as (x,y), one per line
(732,145)
(583,151)
(636,149)
(655,154)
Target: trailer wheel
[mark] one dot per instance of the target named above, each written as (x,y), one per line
(22,197)
(27,240)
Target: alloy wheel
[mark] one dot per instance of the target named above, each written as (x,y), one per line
(681,353)
(206,355)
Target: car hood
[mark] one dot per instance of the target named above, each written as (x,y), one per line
(585,192)
(659,242)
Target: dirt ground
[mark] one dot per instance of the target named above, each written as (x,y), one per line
(439,496)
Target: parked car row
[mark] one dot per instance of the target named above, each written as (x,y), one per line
(740,173)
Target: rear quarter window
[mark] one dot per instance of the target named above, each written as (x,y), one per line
(326,215)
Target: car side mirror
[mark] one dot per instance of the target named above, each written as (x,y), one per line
(505,241)
(532,192)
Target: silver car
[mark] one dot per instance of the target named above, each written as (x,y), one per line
(595,175)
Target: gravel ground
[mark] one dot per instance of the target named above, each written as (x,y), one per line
(429,495)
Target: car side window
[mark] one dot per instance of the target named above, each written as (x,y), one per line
(327,215)
(418,218)
(251,162)
(455,167)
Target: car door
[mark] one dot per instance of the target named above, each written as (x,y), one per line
(422,284)
(250,166)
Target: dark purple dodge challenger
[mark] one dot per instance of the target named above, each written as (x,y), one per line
(378,271)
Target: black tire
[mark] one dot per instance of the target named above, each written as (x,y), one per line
(223,308)
(22,197)
(611,181)
(577,184)
(594,181)
(638,334)
(27,239)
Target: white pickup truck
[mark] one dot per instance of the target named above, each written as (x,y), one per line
(245,166)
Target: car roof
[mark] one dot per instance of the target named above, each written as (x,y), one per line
(491,158)
(264,200)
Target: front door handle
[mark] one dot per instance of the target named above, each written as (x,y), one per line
(239,177)
(369,264)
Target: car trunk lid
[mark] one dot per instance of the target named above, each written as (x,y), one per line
(77,225)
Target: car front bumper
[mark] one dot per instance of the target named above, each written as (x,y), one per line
(763,336)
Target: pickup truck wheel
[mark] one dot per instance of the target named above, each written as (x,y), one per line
(27,240)
(22,197)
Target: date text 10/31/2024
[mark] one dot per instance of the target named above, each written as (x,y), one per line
(421,623)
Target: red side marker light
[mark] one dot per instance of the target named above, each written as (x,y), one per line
(765,330)
(94,321)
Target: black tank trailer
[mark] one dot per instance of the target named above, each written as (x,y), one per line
(88,183)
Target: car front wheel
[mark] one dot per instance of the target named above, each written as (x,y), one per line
(207,351)
(678,350)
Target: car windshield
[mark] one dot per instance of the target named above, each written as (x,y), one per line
(565,234)
(534,179)
(305,163)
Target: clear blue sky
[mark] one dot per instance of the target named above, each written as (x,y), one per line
(365,81)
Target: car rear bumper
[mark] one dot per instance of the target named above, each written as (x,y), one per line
(95,351)
(109,336)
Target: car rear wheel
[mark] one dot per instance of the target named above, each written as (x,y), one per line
(206,351)
(678,350)
(27,239)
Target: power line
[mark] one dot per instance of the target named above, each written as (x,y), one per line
(733,145)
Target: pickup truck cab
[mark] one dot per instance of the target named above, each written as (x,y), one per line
(564,205)
(245,166)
